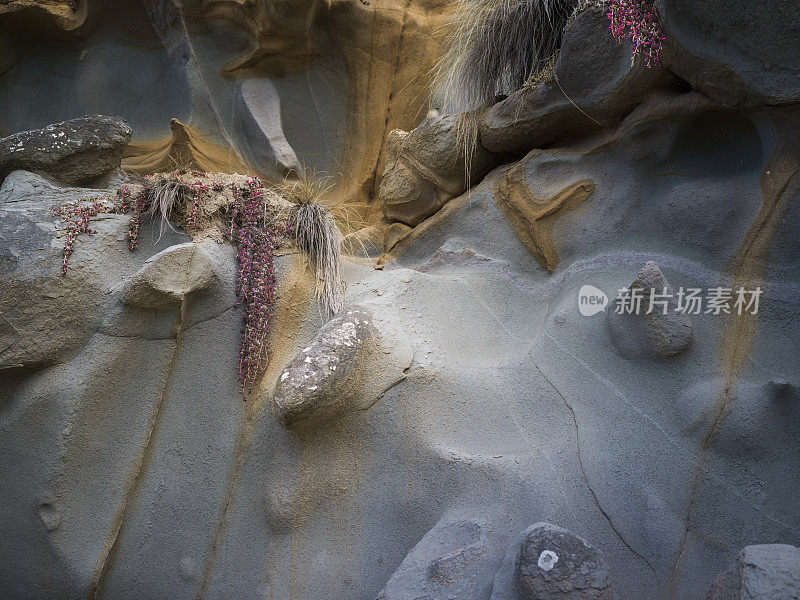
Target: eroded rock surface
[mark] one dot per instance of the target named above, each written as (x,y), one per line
(743,55)
(761,572)
(455,559)
(594,87)
(75,151)
(426,167)
(166,278)
(652,321)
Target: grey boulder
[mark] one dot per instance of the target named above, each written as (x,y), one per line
(74,151)
(659,333)
(453,560)
(348,366)
(551,563)
(761,572)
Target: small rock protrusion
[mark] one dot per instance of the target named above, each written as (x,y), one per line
(167,277)
(349,365)
(761,572)
(665,331)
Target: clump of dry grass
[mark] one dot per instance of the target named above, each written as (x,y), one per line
(495,47)
(317,236)
(163,196)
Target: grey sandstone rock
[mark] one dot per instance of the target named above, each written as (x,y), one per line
(346,368)
(654,334)
(761,572)
(259,111)
(551,563)
(744,54)
(455,559)
(74,151)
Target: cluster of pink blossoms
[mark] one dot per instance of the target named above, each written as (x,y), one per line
(256,282)
(637,20)
(256,242)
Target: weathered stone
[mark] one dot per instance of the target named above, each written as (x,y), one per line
(594,87)
(743,55)
(74,151)
(425,168)
(453,560)
(551,563)
(346,368)
(761,572)
(659,333)
(166,278)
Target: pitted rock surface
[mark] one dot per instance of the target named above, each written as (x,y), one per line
(555,564)
(74,151)
(323,382)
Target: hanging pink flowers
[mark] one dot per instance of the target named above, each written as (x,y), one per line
(638,21)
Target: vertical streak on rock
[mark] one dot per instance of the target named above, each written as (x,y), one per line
(108,556)
(283,340)
(387,115)
(780,184)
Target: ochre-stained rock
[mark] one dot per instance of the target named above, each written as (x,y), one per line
(531,217)
(426,167)
(75,151)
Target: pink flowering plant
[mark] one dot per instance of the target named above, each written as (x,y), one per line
(638,21)
(253,234)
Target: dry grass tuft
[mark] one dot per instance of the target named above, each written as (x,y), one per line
(317,236)
(495,47)
(163,196)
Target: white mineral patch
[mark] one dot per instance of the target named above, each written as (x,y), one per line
(547,560)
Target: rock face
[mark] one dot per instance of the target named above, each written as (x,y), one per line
(551,563)
(75,151)
(667,329)
(743,55)
(344,369)
(762,572)
(454,560)
(425,168)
